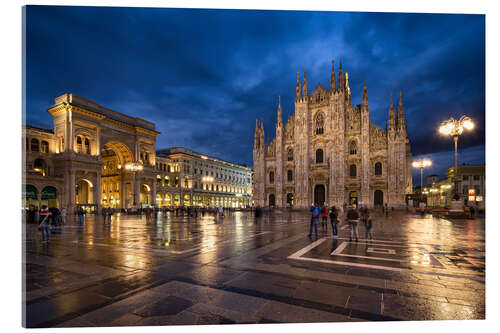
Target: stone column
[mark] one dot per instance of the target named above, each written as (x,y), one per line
(98,192)
(136,190)
(153,193)
(71,191)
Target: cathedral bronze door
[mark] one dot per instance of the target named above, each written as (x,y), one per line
(319,194)
(353,198)
(378,198)
(272,200)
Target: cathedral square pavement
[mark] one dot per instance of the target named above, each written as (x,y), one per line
(175,270)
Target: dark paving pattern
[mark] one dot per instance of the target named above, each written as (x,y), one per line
(176,270)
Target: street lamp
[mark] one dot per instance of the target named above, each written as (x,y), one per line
(424,163)
(455,128)
(134,167)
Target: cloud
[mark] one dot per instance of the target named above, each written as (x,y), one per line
(204,76)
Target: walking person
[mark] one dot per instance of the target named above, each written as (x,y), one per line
(324,217)
(315,214)
(334,221)
(352,217)
(368,226)
(44,225)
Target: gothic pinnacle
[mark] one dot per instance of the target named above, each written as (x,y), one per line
(365,92)
(333,84)
(297,89)
(304,85)
(279,110)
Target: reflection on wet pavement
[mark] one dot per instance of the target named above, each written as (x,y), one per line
(239,269)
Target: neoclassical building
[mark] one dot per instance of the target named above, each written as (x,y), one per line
(88,160)
(329,152)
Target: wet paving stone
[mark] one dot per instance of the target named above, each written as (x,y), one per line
(167,306)
(175,270)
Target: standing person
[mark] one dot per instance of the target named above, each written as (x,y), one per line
(334,221)
(324,217)
(44,225)
(80,213)
(353,219)
(315,214)
(36,215)
(63,216)
(472,211)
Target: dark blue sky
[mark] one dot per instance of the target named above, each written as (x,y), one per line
(204,76)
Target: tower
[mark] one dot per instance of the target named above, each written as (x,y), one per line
(365,149)
(278,141)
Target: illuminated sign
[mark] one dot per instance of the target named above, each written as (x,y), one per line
(479,198)
(472,191)
(472,198)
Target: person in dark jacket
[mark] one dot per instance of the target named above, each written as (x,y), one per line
(334,220)
(352,218)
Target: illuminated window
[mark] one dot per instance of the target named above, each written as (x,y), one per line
(87,146)
(78,144)
(45,147)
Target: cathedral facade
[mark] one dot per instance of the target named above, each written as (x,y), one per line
(329,152)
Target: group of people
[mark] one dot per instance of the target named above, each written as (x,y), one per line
(49,220)
(352,217)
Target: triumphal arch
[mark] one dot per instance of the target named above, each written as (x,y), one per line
(104,157)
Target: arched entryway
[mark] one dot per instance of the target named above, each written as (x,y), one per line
(83,192)
(319,194)
(353,198)
(289,199)
(272,200)
(30,196)
(114,156)
(378,198)
(145,195)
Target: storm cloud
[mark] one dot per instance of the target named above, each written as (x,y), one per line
(204,76)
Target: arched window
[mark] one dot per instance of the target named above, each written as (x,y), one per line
(352,170)
(378,169)
(35,145)
(27,144)
(289,175)
(186,183)
(78,144)
(352,148)
(168,168)
(319,156)
(319,123)
(45,147)
(290,154)
(271,177)
(87,146)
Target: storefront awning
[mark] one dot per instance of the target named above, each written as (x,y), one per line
(30,192)
(49,192)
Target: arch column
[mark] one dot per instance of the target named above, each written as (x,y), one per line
(98,192)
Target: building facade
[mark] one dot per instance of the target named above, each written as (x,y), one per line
(329,152)
(187,178)
(97,157)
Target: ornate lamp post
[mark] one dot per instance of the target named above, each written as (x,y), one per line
(134,167)
(455,128)
(422,164)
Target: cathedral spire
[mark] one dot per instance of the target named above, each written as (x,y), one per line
(304,86)
(365,93)
(341,77)
(297,88)
(333,83)
(401,115)
(391,115)
(280,117)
